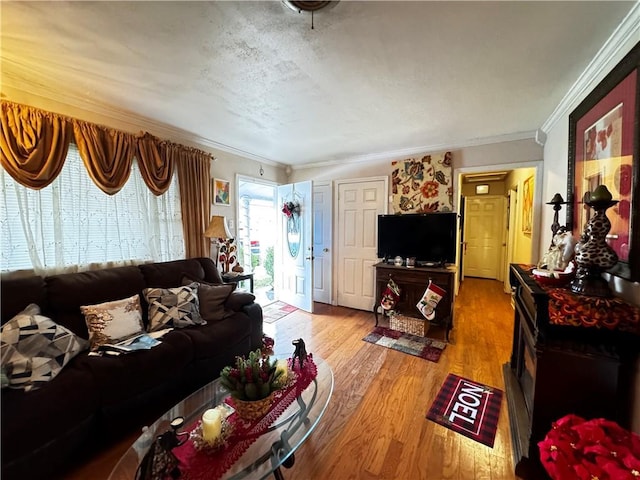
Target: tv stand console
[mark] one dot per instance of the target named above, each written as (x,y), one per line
(413,282)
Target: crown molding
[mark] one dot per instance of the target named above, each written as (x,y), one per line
(125,120)
(629,27)
(421,150)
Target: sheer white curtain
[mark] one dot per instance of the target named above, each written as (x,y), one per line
(73,225)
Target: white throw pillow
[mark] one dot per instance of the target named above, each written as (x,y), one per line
(112,322)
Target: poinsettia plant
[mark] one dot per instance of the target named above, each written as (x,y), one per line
(290,208)
(579,449)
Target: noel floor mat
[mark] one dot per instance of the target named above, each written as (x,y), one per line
(422,347)
(467,407)
(276,310)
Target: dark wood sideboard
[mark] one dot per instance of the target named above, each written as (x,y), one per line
(413,282)
(555,370)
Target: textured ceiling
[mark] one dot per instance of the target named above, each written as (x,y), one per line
(372,78)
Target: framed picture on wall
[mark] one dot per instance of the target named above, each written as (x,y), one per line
(603,150)
(527,205)
(220,192)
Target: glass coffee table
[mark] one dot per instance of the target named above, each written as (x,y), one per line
(270,451)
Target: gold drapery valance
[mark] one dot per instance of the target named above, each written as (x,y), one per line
(107,155)
(156,162)
(33,144)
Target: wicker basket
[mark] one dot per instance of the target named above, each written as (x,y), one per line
(412,325)
(253,409)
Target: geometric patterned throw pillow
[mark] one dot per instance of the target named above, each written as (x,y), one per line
(113,322)
(173,307)
(35,348)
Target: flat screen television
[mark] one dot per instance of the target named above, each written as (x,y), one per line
(429,237)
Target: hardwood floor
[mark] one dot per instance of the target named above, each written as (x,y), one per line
(375,425)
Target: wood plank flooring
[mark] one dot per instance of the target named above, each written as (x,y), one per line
(375,426)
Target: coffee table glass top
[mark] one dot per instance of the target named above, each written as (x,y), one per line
(268,452)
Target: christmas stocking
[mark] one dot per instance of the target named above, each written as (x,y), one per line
(390,296)
(429,301)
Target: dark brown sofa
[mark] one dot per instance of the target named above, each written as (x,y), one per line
(95,400)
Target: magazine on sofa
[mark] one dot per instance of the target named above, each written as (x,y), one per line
(144,341)
(140,342)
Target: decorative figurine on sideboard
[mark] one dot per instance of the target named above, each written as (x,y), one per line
(593,255)
(556,267)
(557,201)
(560,253)
(300,353)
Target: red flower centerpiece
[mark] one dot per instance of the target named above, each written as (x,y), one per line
(581,449)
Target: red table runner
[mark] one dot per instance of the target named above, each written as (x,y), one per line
(570,309)
(567,308)
(212,464)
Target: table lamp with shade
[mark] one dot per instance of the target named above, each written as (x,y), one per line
(217,230)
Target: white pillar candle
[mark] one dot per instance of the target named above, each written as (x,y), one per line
(282,366)
(211,425)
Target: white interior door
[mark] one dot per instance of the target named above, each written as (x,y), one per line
(322,231)
(294,268)
(359,204)
(483,236)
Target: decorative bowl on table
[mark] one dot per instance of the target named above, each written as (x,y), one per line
(252,383)
(552,278)
(253,409)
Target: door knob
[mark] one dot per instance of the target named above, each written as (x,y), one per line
(308,258)
(325,249)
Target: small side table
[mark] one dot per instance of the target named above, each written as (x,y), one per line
(237,278)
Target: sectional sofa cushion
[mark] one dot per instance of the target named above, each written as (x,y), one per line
(121,377)
(16,293)
(205,339)
(69,291)
(237,300)
(31,420)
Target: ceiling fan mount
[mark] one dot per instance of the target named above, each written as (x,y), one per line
(307,6)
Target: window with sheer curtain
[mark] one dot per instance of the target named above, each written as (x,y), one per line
(72,224)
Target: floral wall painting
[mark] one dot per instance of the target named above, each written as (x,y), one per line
(604,145)
(422,185)
(220,193)
(527,205)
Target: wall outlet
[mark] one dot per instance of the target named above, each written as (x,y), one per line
(231,223)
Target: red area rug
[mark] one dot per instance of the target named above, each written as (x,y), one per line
(467,407)
(422,347)
(276,310)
